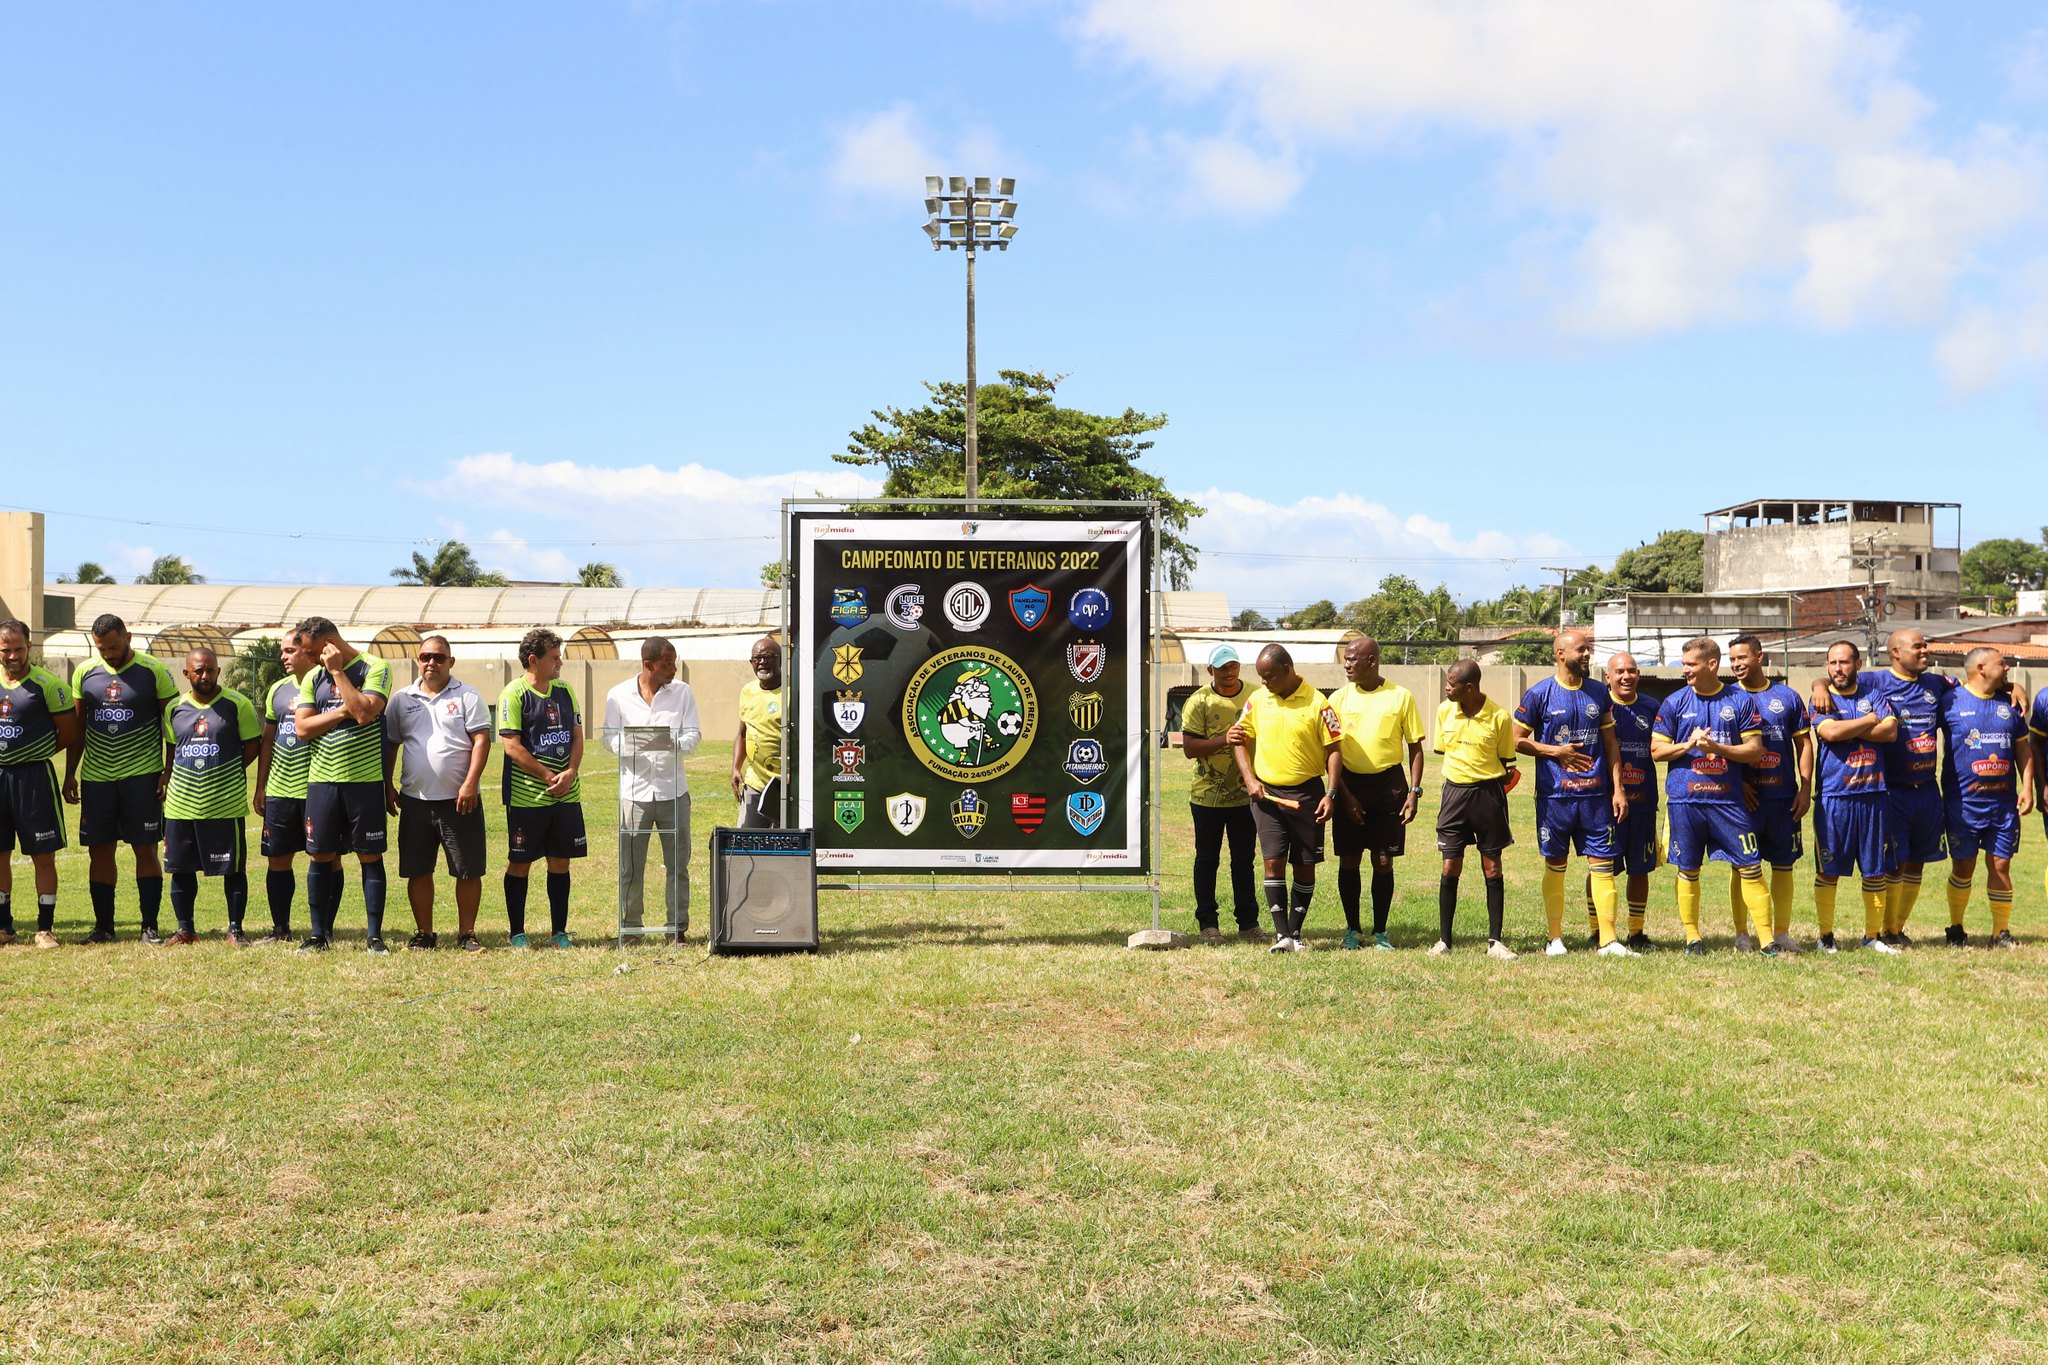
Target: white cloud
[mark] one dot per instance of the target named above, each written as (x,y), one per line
(888,155)
(510,555)
(1342,546)
(1990,343)
(1688,161)
(2027,73)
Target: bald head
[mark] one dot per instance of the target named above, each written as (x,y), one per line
(202,671)
(1908,650)
(1573,650)
(766,657)
(1463,671)
(1276,671)
(1362,661)
(1623,676)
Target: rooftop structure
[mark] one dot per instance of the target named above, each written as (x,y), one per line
(1781,544)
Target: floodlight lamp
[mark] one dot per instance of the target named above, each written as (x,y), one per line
(1008,209)
(981,184)
(1006,187)
(982,230)
(934,183)
(931,230)
(957,184)
(983,209)
(1006,231)
(931,206)
(957,207)
(956,229)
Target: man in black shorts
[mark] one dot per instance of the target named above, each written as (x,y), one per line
(340,712)
(1382,752)
(541,729)
(443,730)
(36,719)
(1285,743)
(1476,737)
(115,773)
(282,768)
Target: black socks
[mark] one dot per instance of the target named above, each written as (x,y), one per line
(1382,897)
(1496,907)
(515,904)
(1349,883)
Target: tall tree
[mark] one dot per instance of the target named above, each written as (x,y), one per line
(1249,620)
(1995,569)
(598,574)
(1028,447)
(256,665)
(171,569)
(452,566)
(1318,615)
(1673,562)
(87,573)
(1400,609)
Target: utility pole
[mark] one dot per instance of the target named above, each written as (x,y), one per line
(1867,559)
(1564,587)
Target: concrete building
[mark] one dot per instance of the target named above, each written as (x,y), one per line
(1796,625)
(1781,544)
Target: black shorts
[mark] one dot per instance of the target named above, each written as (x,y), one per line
(30,808)
(126,810)
(1292,835)
(1382,795)
(533,832)
(1473,814)
(215,847)
(345,817)
(425,827)
(284,826)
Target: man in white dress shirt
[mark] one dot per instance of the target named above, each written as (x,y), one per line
(442,728)
(654,797)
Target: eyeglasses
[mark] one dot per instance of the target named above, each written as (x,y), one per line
(429,657)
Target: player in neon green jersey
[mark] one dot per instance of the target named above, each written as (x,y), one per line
(115,773)
(282,767)
(542,734)
(36,719)
(210,738)
(340,713)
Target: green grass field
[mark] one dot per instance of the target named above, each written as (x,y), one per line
(977,1128)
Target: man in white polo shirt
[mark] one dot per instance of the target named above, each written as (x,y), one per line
(654,797)
(443,728)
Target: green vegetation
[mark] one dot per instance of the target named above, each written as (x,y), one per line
(453,565)
(976,1128)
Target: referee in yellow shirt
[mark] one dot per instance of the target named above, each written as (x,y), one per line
(1285,743)
(1382,754)
(1477,739)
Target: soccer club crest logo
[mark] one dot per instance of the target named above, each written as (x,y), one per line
(847,756)
(966,605)
(904,606)
(849,606)
(1028,604)
(846,663)
(906,813)
(849,809)
(1085,762)
(554,715)
(1084,709)
(848,711)
(969,814)
(970,714)
(1027,810)
(1089,610)
(200,727)
(113,689)
(1086,659)
(1085,811)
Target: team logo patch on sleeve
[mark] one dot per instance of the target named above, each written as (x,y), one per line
(1332,727)
(1090,609)
(849,606)
(849,809)
(969,814)
(1027,810)
(1085,811)
(848,710)
(1028,604)
(1086,660)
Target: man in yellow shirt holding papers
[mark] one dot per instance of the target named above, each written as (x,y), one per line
(1286,747)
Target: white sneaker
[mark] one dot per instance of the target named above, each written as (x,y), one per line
(1556,948)
(1618,949)
(1743,943)
(1880,946)
(1500,952)
(1785,943)
(1295,945)
(1280,942)
(1440,949)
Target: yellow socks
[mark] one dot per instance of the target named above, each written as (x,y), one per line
(1689,903)
(1603,901)
(2001,911)
(1638,912)
(1876,906)
(1553,897)
(1901,890)
(1958,899)
(1756,896)
(1781,901)
(1824,904)
(1738,908)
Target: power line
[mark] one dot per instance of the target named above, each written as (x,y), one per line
(341,538)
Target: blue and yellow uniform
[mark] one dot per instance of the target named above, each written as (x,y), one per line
(1980,773)
(1574,810)
(1635,839)
(1704,791)
(1852,806)
(1912,762)
(1775,781)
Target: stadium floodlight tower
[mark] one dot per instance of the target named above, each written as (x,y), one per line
(970,213)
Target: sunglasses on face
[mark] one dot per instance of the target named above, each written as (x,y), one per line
(428,657)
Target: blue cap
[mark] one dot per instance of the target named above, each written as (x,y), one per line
(1221,655)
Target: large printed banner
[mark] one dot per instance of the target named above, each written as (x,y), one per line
(970,693)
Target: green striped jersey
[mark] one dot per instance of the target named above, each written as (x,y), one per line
(28,715)
(546,722)
(290,760)
(349,752)
(122,709)
(206,739)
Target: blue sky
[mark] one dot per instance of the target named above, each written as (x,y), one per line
(1449,290)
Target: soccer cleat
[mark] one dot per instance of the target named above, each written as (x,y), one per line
(2005,940)
(374,946)
(564,941)
(1382,943)
(516,941)
(470,943)
(1743,943)
(422,942)
(313,943)
(1555,948)
(236,938)
(1827,943)
(1901,939)
(1878,945)
(1351,939)
(151,937)
(1770,950)
(1640,942)
(1617,949)
(1280,944)
(1695,948)
(1787,945)
(46,939)
(1499,952)
(1958,936)
(184,938)
(1440,949)
(99,936)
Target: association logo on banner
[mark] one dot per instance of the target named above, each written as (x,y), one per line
(969,814)
(1086,660)
(849,606)
(847,756)
(1085,811)
(849,809)
(1084,709)
(966,605)
(970,713)
(906,813)
(1029,605)
(846,663)
(904,606)
(848,710)
(1089,610)
(1085,762)
(1027,810)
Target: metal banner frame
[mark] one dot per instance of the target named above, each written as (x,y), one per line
(799,711)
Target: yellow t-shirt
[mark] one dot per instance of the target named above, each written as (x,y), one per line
(1475,748)
(761,713)
(1208,714)
(1378,725)
(1292,733)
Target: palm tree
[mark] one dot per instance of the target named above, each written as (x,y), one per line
(171,569)
(598,574)
(87,573)
(453,566)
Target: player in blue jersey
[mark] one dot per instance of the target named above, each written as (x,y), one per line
(1853,815)
(1987,781)
(2037,729)
(1706,731)
(1635,837)
(1777,791)
(1566,723)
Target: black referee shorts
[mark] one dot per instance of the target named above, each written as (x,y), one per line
(1292,835)
(126,810)
(1382,795)
(30,808)
(1473,813)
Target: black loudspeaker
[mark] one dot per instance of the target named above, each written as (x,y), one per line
(764,891)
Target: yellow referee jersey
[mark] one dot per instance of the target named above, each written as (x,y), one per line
(1293,733)
(1475,748)
(1378,725)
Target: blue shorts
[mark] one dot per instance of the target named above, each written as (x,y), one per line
(1994,832)
(1584,824)
(1919,824)
(1853,833)
(1635,842)
(31,810)
(1777,834)
(1699,828)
